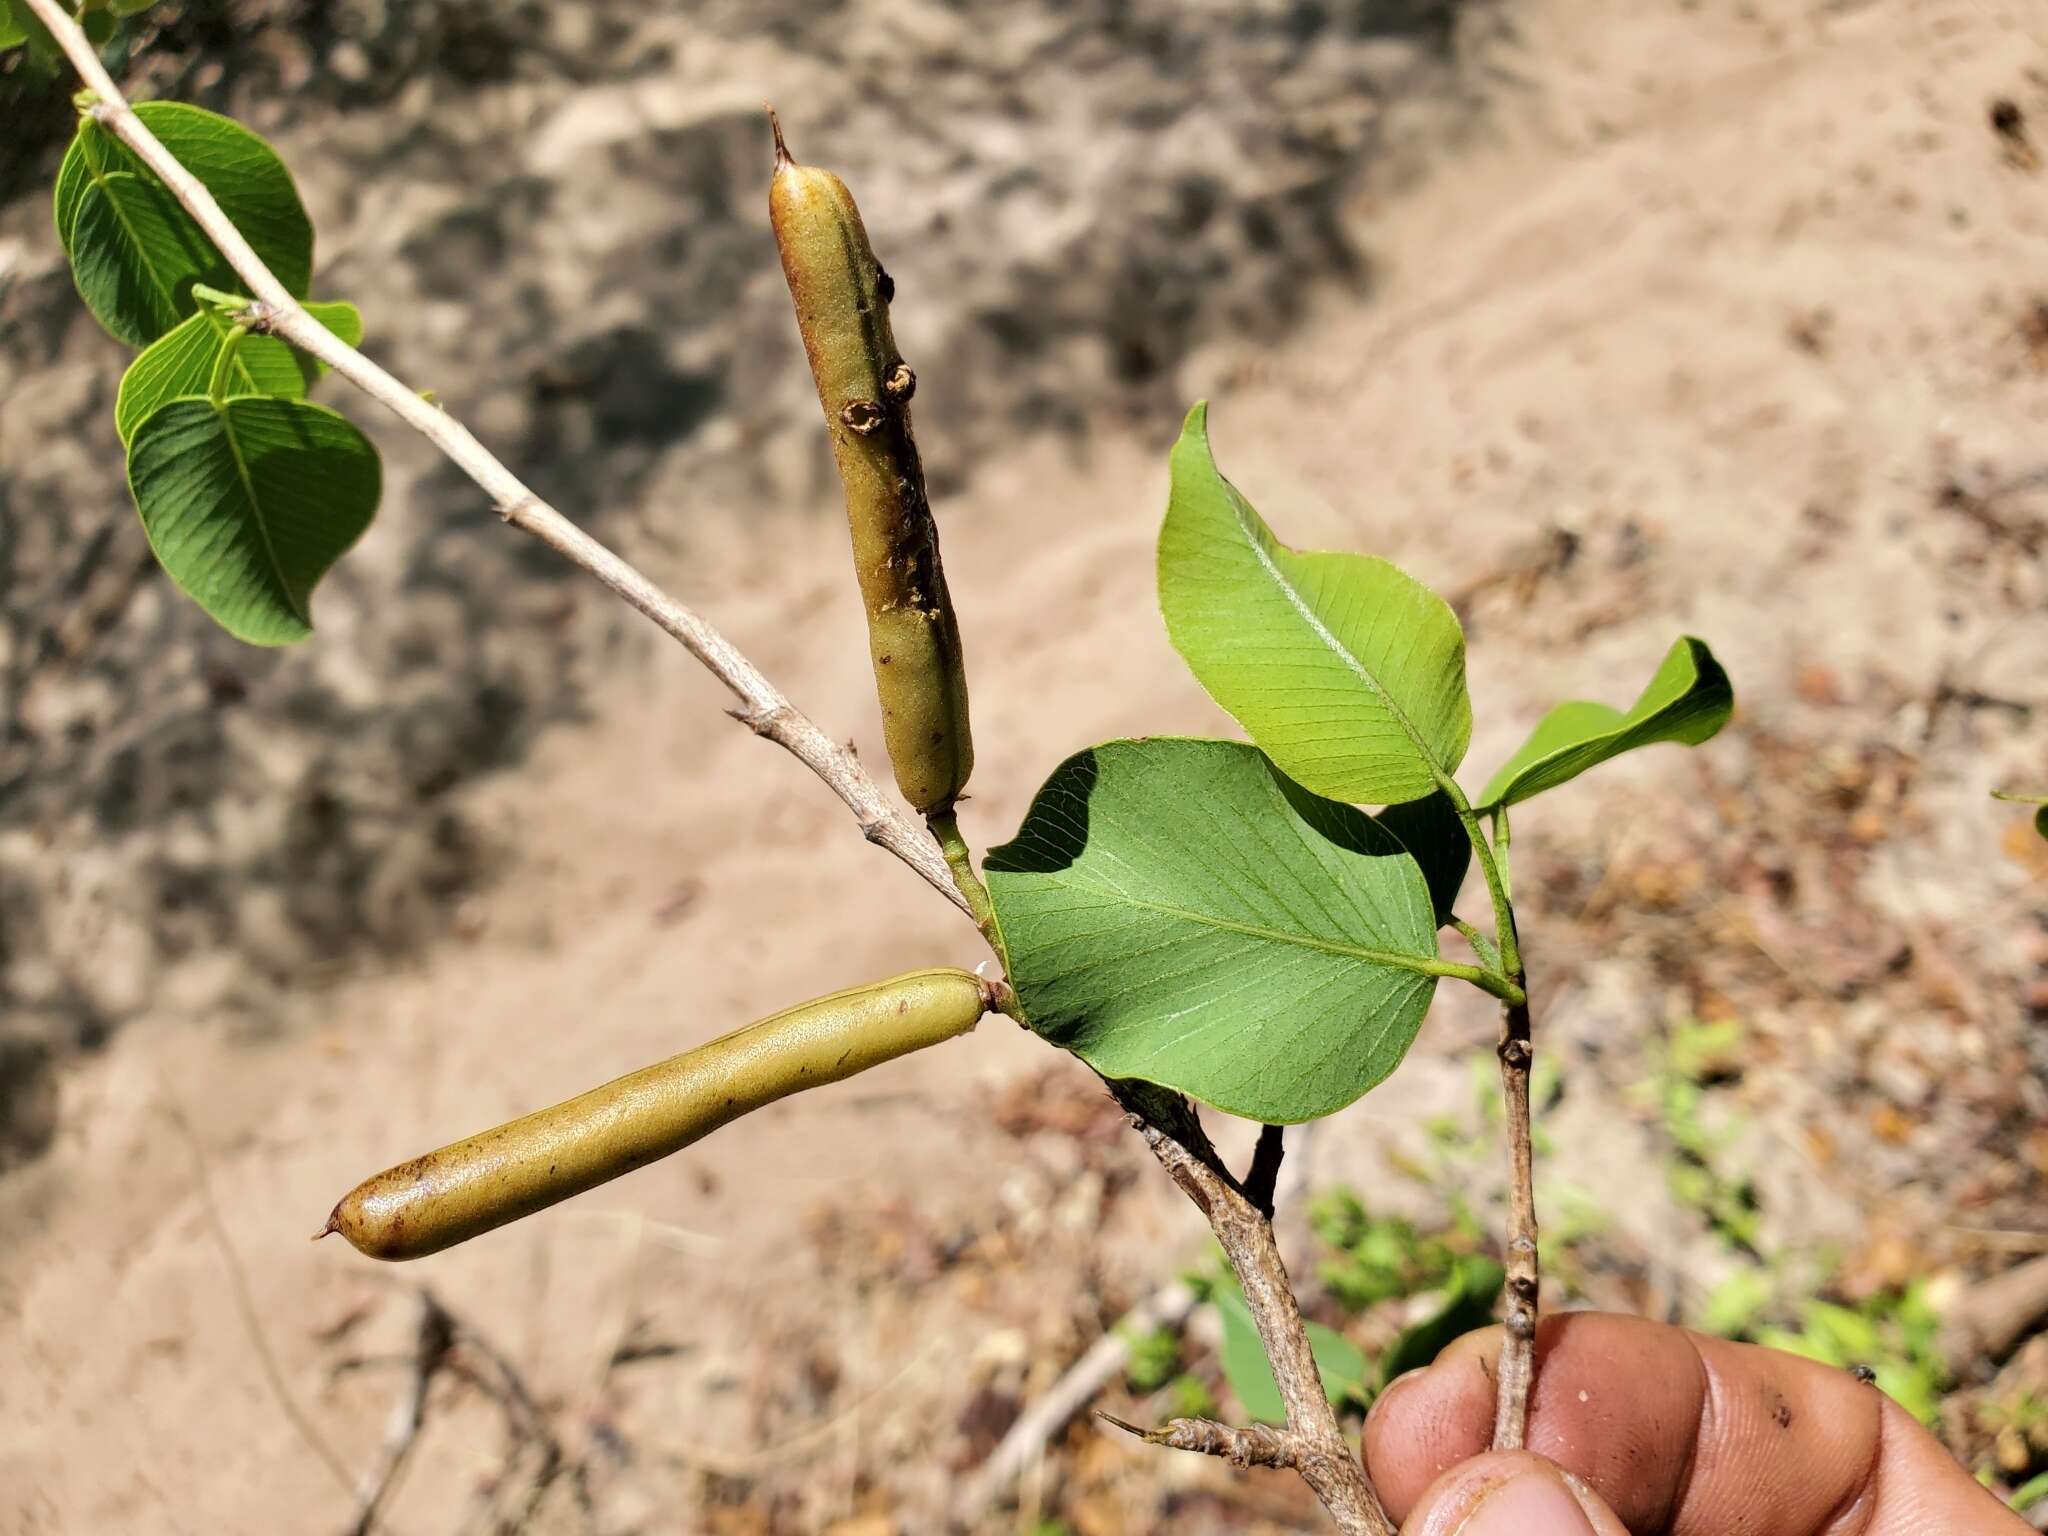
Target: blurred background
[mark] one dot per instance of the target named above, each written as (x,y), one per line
(1609,320)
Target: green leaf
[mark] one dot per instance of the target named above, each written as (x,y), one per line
(131,243)
(135,253)
(248,504)
(1345,669)
(1430,829)
(180,363)
(1467,1304)
(1338,1361)
(12,33)
(1182,913)
(1687,701)
(97,26)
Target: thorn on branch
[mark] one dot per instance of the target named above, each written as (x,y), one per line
(1256,1445)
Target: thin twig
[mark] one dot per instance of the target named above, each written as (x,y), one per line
(1263,1178)
(435,1335)
(245,1301)
(276,312)
(1254,1445)
(1168,1307)
(525,1425)
(1318,1450)
(1517,1374)
(1518,1349)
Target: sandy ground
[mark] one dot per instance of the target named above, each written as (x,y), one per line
(1741,304)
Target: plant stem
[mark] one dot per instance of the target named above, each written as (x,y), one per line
(945,826)
(1517,1373)
(274,311)
(1318,1450)
(217,385)
(1262,1179)
(1482,946)
(1311,1443)
(1497,892)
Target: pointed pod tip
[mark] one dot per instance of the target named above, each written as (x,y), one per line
(1197,419)
(782,154)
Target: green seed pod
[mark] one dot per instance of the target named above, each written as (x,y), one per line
(842,308)
(466,1189)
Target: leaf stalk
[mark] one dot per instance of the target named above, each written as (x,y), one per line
(217,385)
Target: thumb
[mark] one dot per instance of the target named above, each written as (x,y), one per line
(1510,1493)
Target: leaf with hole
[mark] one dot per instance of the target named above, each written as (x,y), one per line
(247,504)
(135,254)
(1687,701)
(1339,1362)
(1182,913)
(1349,672)
(180,363)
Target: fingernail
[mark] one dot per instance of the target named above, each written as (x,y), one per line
(1532,1503)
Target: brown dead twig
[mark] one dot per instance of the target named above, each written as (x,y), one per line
(1317,1450)
(1311,1443)
(432,1340)
(1273,1186)
(245,1299)
(445,1344)
(274,311)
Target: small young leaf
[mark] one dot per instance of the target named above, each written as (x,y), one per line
(1687,701)
(136,254)
(1430,829)
(247,504)
(1182,913)
(1467,1304)
(180,363)
(1339,1362)
(1345,669)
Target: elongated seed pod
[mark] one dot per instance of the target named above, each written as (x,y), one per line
(842,299)
(452,1195)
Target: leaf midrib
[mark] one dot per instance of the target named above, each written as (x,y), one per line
(1308,615)
(1394,958)
(227,428)
(164,288)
